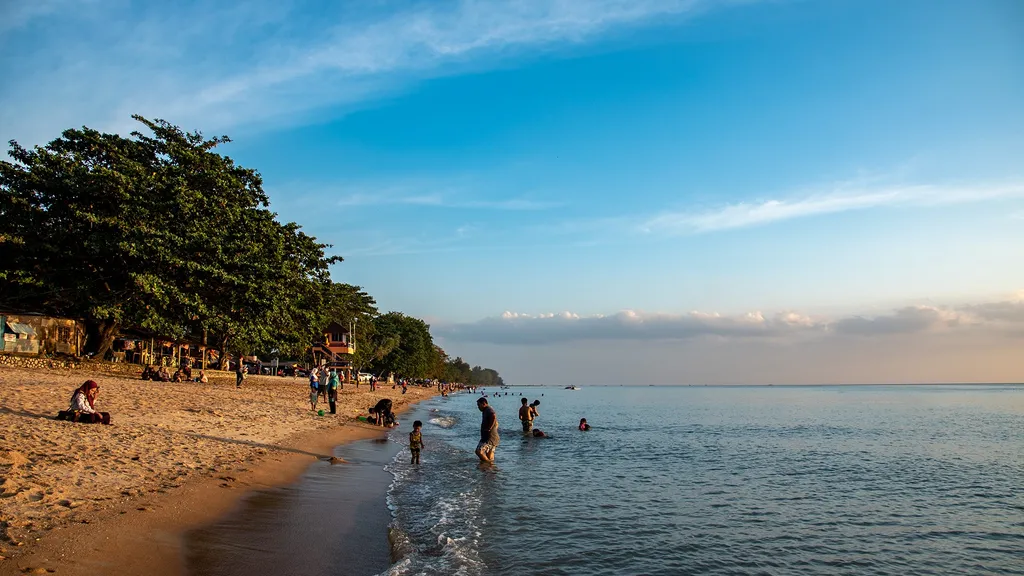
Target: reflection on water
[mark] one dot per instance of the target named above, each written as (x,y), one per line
(334,521)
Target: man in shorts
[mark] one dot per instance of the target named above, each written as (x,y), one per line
(526,415)
(488,433)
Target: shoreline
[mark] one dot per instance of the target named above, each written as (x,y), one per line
(144,533)
(330,519)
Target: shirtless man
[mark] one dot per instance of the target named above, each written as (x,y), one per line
(488,433)
(526,415)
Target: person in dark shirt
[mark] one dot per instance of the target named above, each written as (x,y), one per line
(382,413)
(488,433)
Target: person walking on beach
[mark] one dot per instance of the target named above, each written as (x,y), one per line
(526,415)
(416,441)
(332,390)
(240,373)
(488,432)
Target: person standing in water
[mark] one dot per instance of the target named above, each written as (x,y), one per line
(526,415)
(488,432)
(416,441)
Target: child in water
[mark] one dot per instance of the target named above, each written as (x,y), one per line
(583,425)
(416,441)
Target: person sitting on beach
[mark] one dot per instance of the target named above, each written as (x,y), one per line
(178,376)
(164,375)
(526,415)
(186,372)
(583,425)
(202,377)
(381,414)
(83,406)
(148,373)
(416,441)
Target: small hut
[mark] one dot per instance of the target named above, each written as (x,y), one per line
(34,334)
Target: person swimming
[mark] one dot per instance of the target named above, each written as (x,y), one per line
(583,425)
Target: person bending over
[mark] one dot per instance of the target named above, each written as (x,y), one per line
(381,414)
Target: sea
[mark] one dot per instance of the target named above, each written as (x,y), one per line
(679,480)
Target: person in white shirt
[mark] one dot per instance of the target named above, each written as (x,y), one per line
(83,405)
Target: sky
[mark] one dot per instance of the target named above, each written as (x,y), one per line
(605,191)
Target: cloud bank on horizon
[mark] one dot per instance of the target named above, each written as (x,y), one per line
(1004,317)
(967,343)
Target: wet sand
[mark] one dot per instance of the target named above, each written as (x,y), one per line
(88,499)
(333,520)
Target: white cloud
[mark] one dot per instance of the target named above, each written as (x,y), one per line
(548,328)
(221,67)
(839,198)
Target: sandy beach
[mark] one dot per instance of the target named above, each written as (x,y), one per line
(79,498)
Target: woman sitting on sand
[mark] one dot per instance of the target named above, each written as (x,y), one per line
(202,377)
(83,408)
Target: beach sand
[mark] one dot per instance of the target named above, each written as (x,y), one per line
(87,499)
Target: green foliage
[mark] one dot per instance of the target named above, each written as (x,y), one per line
(414,353)
(159,231)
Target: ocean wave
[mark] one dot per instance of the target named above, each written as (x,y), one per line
(444,421)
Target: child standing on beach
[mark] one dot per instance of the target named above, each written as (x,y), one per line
(416,441)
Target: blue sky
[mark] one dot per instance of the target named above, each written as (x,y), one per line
(681,160)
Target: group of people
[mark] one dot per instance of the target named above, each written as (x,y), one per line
(183,374)
(489,437)
(324,383)
(527,413)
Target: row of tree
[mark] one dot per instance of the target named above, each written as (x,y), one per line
(158,231)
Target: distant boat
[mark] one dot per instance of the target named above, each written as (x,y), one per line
(572,388)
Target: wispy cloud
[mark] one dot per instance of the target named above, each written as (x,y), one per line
(841,198)
(440,201)
(232,64)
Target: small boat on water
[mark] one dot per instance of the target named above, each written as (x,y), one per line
(572,388)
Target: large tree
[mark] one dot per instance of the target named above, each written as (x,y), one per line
(157,231)
(413,355)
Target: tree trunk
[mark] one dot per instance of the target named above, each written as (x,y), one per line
(224,365)
(203,349)
(100,336)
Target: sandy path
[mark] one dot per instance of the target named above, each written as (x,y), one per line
(163,436)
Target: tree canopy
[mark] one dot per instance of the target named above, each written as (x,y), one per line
(159,231)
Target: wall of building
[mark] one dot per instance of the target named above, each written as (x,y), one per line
(52,335)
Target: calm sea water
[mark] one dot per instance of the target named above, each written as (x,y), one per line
(720,480)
